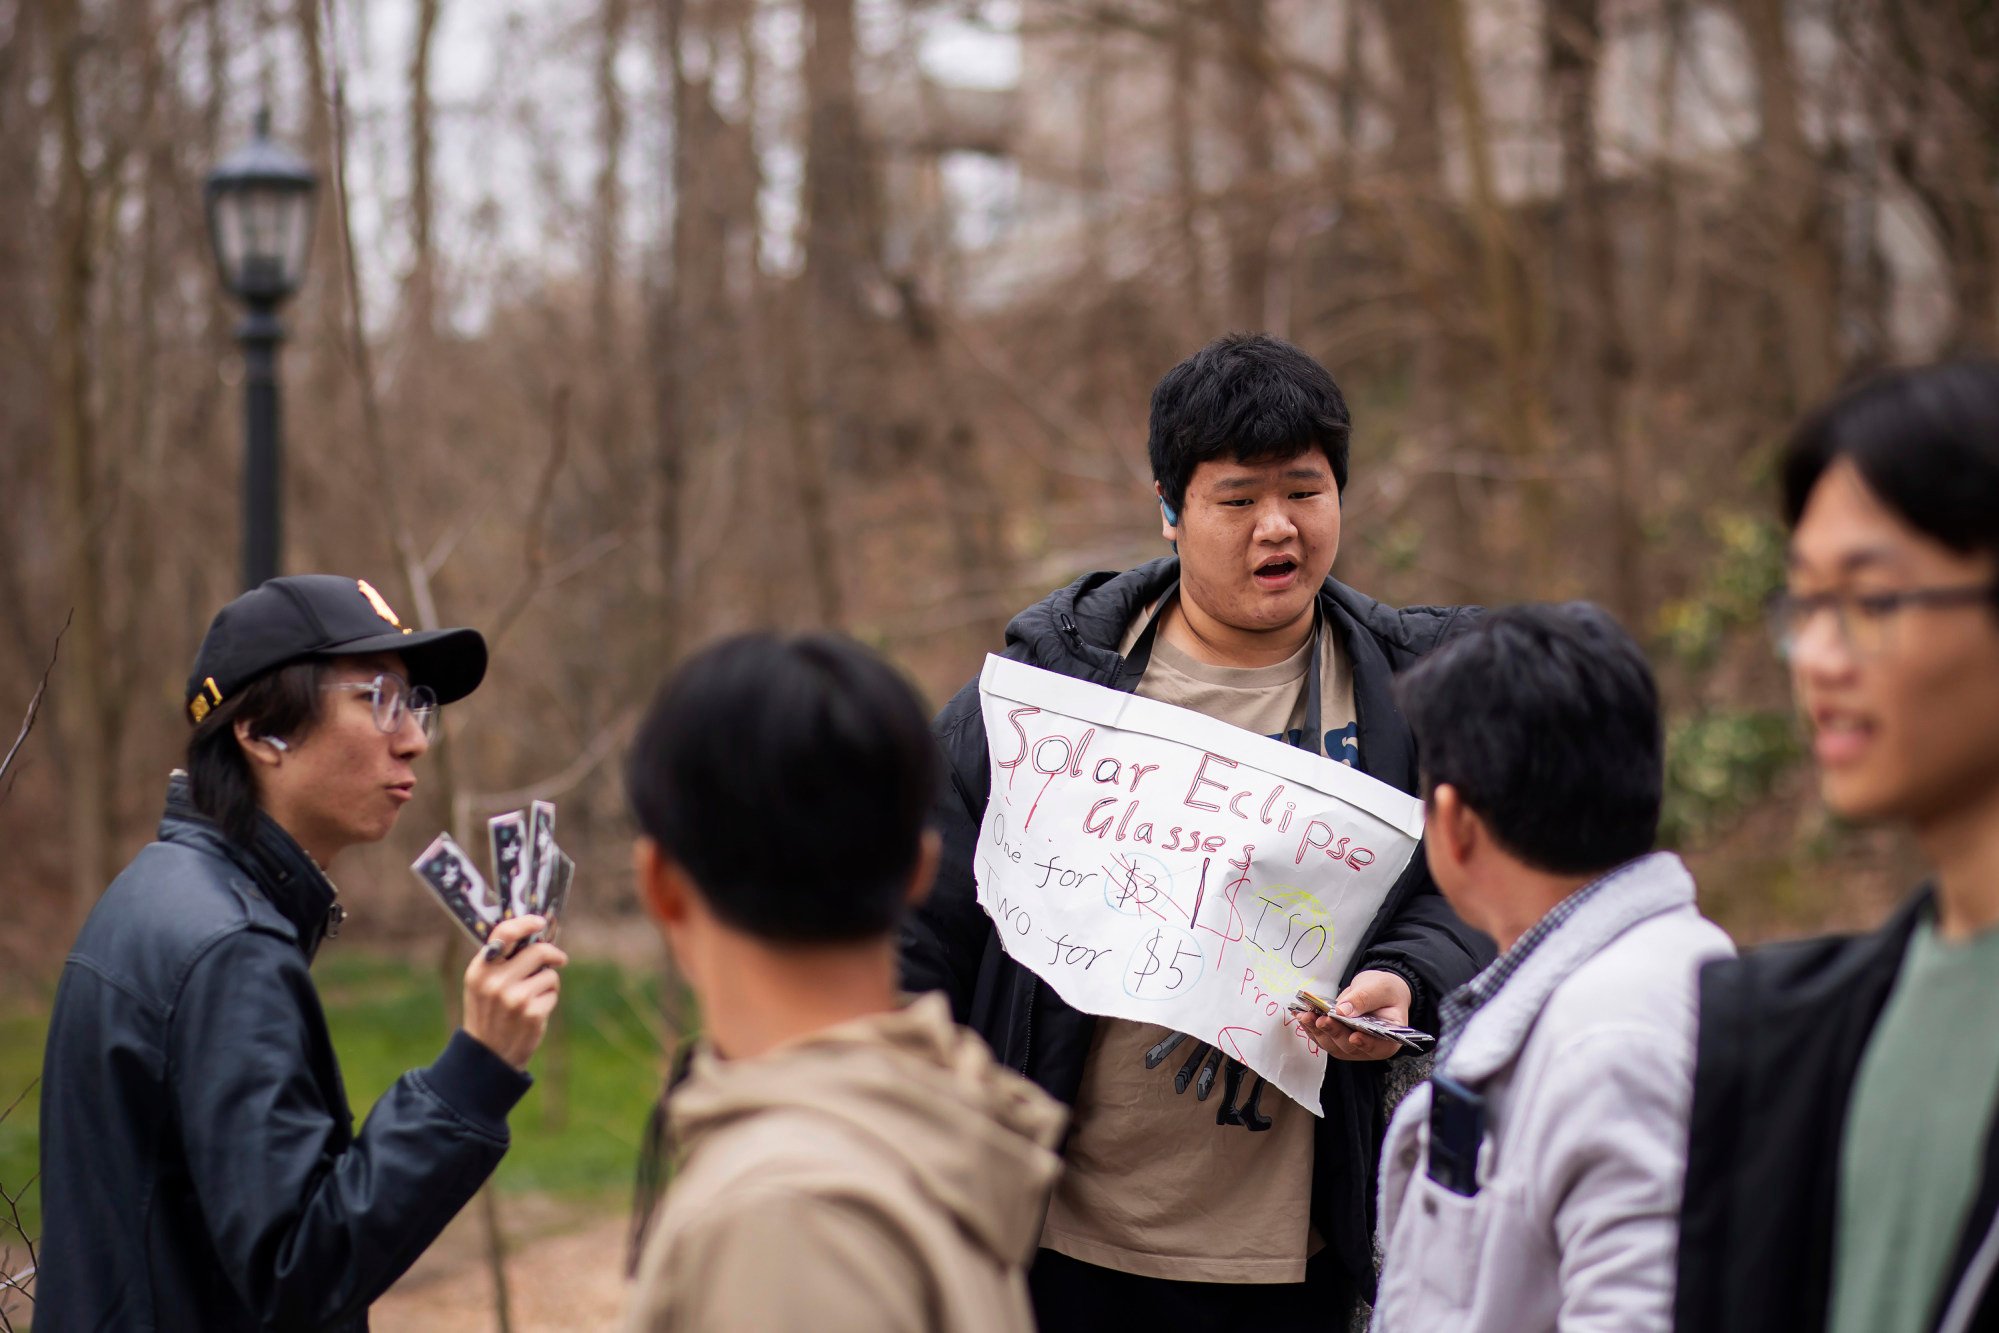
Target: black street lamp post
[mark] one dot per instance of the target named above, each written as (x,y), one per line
(260,207)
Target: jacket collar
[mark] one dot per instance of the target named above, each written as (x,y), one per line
(1645,888)
(1077,629)
(279,868)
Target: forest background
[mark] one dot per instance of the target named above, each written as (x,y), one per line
(630,323)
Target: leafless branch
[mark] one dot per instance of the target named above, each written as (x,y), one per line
(601,746)
(19,1098)
(361,358)
(16,1280)
(534,553)
(34,711)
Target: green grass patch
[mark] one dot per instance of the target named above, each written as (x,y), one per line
(576,1134)
(21,1036)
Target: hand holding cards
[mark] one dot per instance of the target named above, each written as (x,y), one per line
(1409,1038)
(531,875)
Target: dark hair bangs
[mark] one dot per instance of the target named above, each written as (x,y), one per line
(1245,398)
(1925,441)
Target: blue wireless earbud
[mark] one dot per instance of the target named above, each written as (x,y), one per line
(1172,515)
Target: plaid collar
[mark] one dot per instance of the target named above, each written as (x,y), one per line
(1459,1006)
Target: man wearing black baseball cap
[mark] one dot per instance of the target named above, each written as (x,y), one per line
(200,1168)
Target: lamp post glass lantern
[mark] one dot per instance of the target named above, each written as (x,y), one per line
(260,210)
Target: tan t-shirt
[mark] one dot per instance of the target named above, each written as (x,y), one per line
(1153,1185)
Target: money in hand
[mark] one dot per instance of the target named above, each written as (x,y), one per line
(1414,1039)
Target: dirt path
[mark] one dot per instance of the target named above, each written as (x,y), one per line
(565,1271)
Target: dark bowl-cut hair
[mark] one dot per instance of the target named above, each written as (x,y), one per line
(791,778)
(1247,398)
(1926,442)
(1546,721)
(283,702)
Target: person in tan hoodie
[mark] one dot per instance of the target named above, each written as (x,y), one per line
(840,1161)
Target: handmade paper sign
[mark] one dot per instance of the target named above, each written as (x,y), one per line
(1153,864)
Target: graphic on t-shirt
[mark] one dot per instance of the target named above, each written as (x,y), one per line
(1343,744)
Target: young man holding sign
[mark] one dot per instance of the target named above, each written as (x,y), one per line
(1266,1217)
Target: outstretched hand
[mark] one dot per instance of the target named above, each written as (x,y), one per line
(1382,995)
(508,999)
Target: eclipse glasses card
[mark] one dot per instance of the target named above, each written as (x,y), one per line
(531,874)
(455,880)
(552,894)
(541,844)
(507,838)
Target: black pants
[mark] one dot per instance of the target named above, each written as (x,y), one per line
(1069,1294)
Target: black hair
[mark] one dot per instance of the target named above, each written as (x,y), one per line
(1249,398)
(1926,441)
(283,702)
(791,778)
(1546,721)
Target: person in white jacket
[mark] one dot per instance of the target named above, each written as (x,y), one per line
(1534,1182)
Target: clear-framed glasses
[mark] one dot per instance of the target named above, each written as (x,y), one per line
(1865,621)
(393,697)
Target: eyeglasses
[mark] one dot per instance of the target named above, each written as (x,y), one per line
(393,697)
(1864,620)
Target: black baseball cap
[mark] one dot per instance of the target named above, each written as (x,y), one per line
(324,615)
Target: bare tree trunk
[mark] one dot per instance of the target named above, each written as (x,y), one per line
(1591,341)
(82,696)
(607,228)
(1510,324)
(215,61)
(1182,94)
(416,578)
(1943,121)
(841,225)
(319,303)
(1253,211)
(1406,205)
(1509,321)
(809,479)
(145,444)
(664,327)
(420,288)
(1655,341)
(1794,195)
(1093,167)
(841,245)
(1348,102)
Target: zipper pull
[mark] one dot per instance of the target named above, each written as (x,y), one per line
(335,914)
(1068,626)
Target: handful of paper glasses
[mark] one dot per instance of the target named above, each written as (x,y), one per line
(1414,1039)
(531,874)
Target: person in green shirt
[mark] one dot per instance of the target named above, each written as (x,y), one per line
(1842,1172)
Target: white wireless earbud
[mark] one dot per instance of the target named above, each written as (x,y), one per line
(276,744)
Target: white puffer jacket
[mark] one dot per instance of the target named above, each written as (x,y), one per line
(1585,1061)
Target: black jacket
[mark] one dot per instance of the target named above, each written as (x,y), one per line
(200,1168)
(1782,1031)
(949,944)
